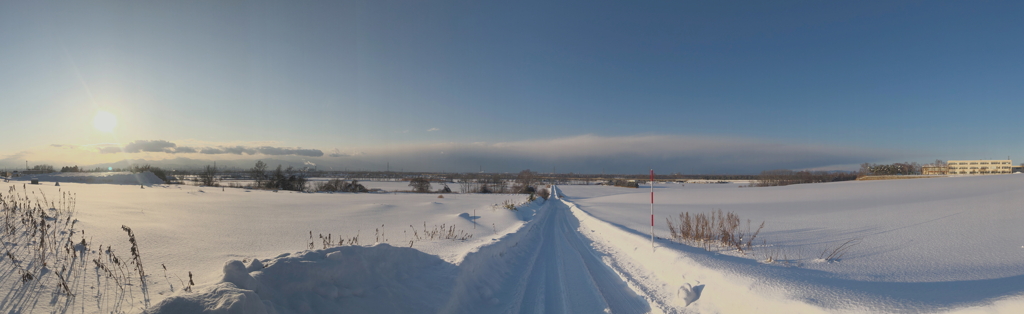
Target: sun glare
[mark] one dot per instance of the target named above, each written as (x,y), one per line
(104,121)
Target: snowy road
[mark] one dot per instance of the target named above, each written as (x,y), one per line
(551,268)
(567,276)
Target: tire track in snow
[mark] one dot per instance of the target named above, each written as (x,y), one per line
(546,267)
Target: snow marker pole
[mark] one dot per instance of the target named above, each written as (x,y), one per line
(652,209)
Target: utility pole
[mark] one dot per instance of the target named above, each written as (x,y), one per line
(652,209)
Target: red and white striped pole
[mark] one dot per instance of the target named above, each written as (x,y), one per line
(652,209)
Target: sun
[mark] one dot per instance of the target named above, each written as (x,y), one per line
(104,121)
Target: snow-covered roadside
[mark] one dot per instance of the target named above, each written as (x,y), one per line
(358,279)
(670,273)
(674,281)
(197,229)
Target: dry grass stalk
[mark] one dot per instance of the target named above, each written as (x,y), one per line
(716,228)
(831,254)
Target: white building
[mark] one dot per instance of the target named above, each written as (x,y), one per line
(980,166)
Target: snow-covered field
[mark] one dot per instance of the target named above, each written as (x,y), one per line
(930,245)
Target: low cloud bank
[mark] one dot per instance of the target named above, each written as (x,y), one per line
(579,154)
(625,154)
(162,146)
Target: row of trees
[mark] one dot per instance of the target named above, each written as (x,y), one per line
(524,183)
(900,168)
(43,168)
(338,185)
(279,179)
(70,169)
(786,177)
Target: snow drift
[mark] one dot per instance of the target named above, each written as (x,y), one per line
(349,279)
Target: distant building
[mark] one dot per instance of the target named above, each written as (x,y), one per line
(934,170)
(979,166)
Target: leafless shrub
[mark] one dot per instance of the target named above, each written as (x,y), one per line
(716,228)
(442,232)
(190,283)
(328,240)
(509,204)
(544,193)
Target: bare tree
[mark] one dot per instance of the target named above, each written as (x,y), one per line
(524,182)
(209,176)
(865,169)
(285,180)
(259,172)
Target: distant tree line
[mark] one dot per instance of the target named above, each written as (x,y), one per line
(625,183)
(43,168)
(900,168)
(783,177)
(339,185)
(524,182)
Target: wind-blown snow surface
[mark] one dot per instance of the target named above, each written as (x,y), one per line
(928,245)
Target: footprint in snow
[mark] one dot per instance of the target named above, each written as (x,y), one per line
(690,294)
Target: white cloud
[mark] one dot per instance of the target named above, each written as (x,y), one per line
(433,129)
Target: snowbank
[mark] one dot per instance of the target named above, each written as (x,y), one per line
(350,279)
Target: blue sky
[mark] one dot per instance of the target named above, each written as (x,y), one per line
(837,83)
